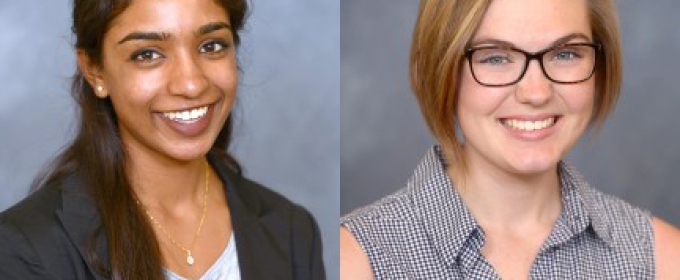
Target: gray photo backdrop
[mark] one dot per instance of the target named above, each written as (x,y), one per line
(636,156)
(288,129)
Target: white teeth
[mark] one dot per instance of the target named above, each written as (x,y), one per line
(528,125)
(188,116)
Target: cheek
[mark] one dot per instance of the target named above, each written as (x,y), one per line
(134,87)
(580,100)
(223,75)
(476,99)
(147,83)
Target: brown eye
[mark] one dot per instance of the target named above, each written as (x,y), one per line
(213,47)
(145,56)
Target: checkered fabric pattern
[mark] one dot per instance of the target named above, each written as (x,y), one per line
(425,231)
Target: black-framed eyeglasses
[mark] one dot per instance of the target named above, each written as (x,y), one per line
(497,66)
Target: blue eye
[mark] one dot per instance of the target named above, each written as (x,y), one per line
(495,56)
(213,47)
(495,60)
(145,56)
(567,55)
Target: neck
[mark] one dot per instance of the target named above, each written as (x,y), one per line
(167,184)
(509,202)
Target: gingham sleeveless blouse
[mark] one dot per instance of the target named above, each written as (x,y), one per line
(424,231)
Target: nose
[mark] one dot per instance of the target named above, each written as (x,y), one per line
(187,77)
(534,88)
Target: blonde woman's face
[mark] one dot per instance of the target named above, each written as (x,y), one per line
(527,127)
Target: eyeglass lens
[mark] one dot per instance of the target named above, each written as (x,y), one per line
(563,64)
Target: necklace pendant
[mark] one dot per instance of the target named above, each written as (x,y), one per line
(190,258)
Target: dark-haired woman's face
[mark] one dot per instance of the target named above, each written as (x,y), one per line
(169,67)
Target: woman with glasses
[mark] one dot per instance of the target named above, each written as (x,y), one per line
(507,88)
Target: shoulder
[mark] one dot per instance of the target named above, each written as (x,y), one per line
(667,249)
(18,256)
(628,226)
(617,211)
(269,226)
(627,229)
(354,263)
(250,196)
(378,229)
(394,206)
(262,200)
(35,212)
(290,224)
(426,193)
(382,220)
(608,209)
(24,228)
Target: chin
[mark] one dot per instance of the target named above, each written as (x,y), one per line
(533,165)
(187,153)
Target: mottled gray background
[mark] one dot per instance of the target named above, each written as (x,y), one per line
(636,156)
(288,127)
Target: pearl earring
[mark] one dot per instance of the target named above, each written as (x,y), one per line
(100,88)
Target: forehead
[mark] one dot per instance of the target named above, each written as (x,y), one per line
(533,24)
(173,16)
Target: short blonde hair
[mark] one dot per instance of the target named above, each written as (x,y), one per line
(442,33)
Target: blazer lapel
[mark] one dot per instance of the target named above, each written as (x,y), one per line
(80,219)
(259,242)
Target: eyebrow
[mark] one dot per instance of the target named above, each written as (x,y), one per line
(212,27)
(163,36)
(502,43)
(150,36)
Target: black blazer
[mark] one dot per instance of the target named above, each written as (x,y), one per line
(46,235)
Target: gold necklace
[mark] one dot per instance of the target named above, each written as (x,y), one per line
(190,256)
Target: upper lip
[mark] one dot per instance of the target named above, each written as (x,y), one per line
(530,117)
(186,108)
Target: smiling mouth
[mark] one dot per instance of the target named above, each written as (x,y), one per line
(526,125)
(187,116)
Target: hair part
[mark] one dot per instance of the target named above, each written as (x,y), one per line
(444,29)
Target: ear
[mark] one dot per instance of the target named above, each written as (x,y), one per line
(92,73)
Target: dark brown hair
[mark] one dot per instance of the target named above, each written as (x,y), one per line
(97,156)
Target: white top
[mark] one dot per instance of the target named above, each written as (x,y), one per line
(225,268)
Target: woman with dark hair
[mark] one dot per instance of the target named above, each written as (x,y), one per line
(147,189)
